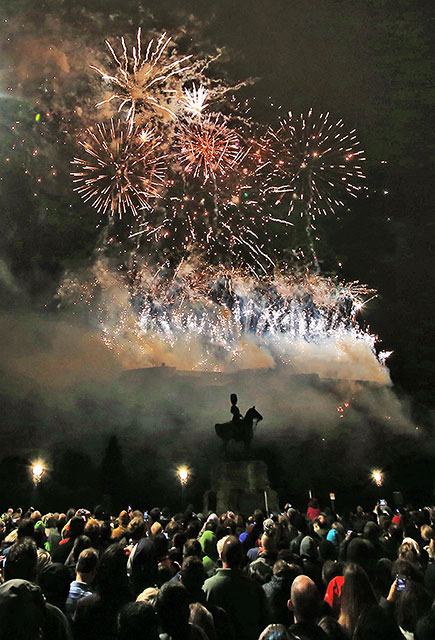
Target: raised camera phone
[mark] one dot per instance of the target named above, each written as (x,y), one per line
(400,583)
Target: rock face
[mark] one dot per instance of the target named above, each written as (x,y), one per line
(240,486)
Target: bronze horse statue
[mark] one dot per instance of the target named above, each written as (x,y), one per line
(240,431)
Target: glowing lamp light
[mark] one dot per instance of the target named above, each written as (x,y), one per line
(183,474)
(377,477)
(37,472)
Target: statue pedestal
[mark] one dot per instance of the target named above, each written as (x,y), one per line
(240,486)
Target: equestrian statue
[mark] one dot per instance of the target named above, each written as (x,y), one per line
(239,428)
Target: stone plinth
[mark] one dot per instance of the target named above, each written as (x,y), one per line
(239,486)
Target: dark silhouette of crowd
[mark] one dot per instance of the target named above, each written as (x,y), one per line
(295,575)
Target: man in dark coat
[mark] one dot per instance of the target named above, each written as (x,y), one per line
(242,598)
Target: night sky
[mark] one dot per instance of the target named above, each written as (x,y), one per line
(369,62)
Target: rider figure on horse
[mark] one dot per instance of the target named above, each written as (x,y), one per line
(237,416)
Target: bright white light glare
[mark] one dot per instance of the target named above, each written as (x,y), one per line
(183,474)
(377,477)
(37,470)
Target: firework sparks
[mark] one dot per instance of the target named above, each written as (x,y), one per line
(123,168)
(194,100)
(214,314)
(208,147)
(142,80)
(314,162)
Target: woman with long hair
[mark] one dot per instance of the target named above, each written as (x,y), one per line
(357,597)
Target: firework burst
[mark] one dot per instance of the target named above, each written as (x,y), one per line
(208,148)
(123,168)
(223,220)
(313,163)
(143,79)
(194,100)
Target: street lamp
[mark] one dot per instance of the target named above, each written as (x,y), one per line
(37,472)
(183,474)
(377,477)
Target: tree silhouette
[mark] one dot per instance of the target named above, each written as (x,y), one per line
(113,475)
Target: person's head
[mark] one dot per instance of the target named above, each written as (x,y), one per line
(371,532)
(382,577)
(155,515)
(138,620)
(258,517)
(55,581)
(409,551)
(332,628)
(331,570)
(321,521)
(274,632)
(173,609)
(61,522)
(377,623)
(76,526)
(193,574)
(21,561)
(280,568)
(269,527)
(202,618)
(22,610)
(70,513)
(39,534)
(232,553)
(136,529)
(92,531)
(268,543)
(99,512)
(123,519)
(395,533)
(193,529)
(43,560)
(327,551)
(286,573)
(87,565)
(51,520)
(26,528)
(260,571)
(361,552)
(426,532)
(148,595)
(161,546)
(172,528)
(357,596)
(301,524)
(412,604)
(208,544)
(111,573)
(408,570)
(308,548)
(80,543)
(155,529)
(304,600)
(179,539)
(338,527)
(192,547)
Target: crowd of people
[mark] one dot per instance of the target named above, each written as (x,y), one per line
(290,576)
